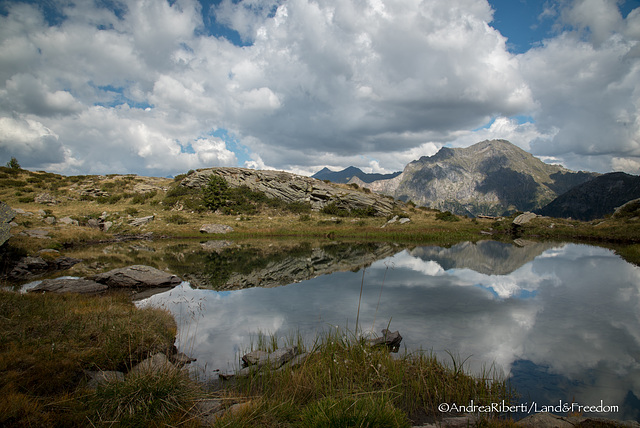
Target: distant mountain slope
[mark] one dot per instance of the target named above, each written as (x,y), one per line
(347,174)
(491,178)
(595,198)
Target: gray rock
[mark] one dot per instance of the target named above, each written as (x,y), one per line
(157,363)
(107,225)
(404,220)
(92,192)
(68,221)
(254,357)
(145,188)
(208,410)
(215,228)
(50,220)
(141,221)
(524,218)
(390,339)
(6,216)
(137,276)
(36,233)
(256,360)
(180,359)
(69,285)
(45,198)
(97,378)
(93,223)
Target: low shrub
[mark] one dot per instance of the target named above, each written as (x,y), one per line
(177,219)
(446,216)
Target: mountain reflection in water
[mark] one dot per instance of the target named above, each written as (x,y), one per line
(562,320)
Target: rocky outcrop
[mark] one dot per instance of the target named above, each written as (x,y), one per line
(6,216)
(294,188)
(45,198)
(136,276)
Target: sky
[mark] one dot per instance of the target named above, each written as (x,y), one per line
(157,87)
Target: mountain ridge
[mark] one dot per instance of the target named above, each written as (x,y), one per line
(345,175)
(594,198)
(492,177)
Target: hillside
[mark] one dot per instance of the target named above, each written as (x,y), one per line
(347,174)
(595,198)
(490,178)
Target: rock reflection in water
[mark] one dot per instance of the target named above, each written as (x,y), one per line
(564,313)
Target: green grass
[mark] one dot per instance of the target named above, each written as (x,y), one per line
(346,382)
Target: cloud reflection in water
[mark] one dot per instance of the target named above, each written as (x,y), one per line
(563,320)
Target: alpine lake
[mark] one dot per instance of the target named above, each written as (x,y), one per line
(561,321)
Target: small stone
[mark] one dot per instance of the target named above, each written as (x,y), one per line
(68,221)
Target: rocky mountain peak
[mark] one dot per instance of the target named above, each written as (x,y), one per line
(491,177)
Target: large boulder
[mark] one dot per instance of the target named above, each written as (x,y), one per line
(137,276)
(524,218)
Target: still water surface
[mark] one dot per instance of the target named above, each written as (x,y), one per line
(562,321)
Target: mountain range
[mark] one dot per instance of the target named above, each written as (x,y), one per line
(493,177)
(347,174)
